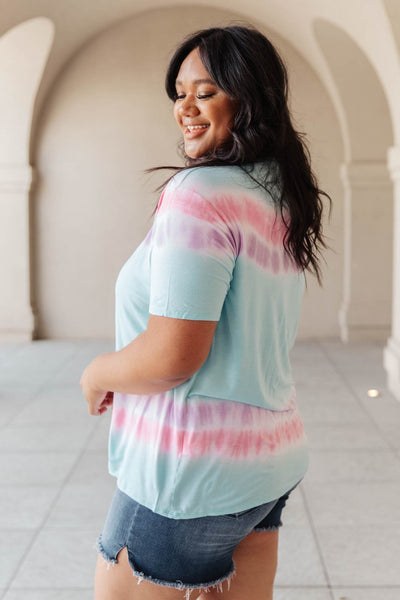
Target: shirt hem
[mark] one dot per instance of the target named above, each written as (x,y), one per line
(209,512)
(183,315)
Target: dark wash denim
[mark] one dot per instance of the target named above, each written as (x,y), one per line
(185,554)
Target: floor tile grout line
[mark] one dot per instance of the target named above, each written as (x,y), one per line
(313,528)
(85,344)
(346,449)
(46,516)
(15,354)
(45,426)
(384,586)
(360,404)
(92,433)
(44,451)
(316,540)
(37,392)
(27,345)
(30,399)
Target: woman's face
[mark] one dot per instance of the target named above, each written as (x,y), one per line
(202,110)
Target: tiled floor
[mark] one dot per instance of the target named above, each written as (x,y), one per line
(341,533)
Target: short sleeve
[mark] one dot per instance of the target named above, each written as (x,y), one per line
(192,257)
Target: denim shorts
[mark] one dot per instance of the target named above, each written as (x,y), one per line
(185,554)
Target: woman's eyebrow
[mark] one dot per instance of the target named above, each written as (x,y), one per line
(197,81)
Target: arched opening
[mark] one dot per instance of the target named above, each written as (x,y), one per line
(368,216)
(105,120)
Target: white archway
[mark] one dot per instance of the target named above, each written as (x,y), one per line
(366,305)
(106,118)
(23,55)
(367,23)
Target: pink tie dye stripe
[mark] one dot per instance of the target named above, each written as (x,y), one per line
(197,413)
(261,243)
(227,443)
(229,209)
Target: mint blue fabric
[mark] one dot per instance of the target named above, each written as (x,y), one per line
(214,252)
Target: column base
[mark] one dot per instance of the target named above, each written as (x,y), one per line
(365,333)
(391,363)
(15,336)
(349,332)
(21,328)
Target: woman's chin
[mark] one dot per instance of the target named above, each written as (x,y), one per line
(194,151)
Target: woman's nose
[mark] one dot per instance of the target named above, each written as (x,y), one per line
(188,105)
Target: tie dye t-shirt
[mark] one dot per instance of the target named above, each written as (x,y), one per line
(230,437)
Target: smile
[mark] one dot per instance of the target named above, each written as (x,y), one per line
(192,131)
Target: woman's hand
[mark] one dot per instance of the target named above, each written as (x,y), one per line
(98,400)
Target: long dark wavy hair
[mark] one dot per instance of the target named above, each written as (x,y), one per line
(247,67)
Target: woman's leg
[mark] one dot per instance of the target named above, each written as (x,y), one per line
(256,561)
(119,583)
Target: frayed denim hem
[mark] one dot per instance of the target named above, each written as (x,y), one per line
(189,588)
(269,528)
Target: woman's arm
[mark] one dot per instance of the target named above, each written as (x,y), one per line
(163,356)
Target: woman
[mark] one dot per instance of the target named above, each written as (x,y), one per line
(206,440)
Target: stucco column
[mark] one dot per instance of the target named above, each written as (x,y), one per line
(391,353)
(24,50)
(17,319)
(365,312)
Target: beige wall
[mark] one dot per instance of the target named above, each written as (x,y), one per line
(92,115)
(106,119)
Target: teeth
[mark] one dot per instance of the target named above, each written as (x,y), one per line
(192,127)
